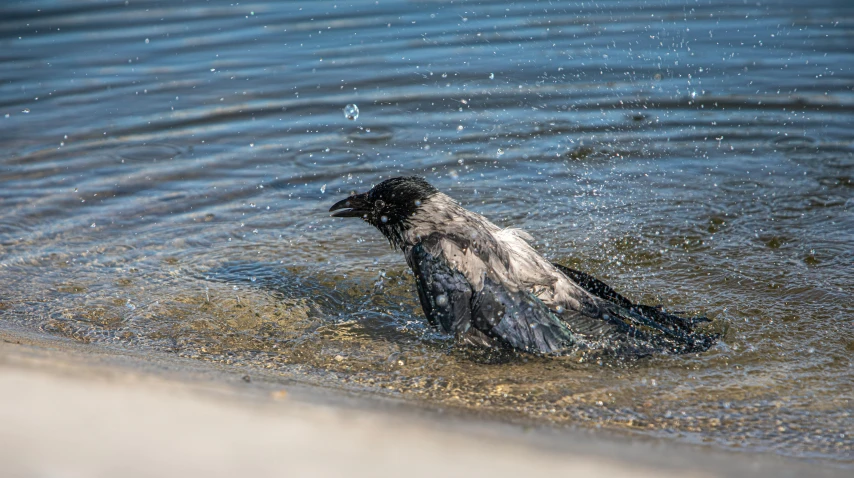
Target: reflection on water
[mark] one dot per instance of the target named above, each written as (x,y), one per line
(166,171)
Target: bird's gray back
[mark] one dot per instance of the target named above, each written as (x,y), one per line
(479,250)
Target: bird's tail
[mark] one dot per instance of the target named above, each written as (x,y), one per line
(644,324)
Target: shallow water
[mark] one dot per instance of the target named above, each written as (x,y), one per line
(166,171)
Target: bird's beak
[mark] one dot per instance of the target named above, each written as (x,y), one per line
(354,206)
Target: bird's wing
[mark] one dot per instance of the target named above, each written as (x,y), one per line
(445,294)
(520,318)
(514,317)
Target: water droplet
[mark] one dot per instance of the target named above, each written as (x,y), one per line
(146,41)
(323,189)
(25,110)
(253,279)
(351,112)
(417,202)
(559,309)
(384,219)
(460,127)
(93,225)
(492,76)
(442,300)
(500,152)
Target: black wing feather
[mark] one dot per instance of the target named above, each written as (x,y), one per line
(519,318)
(492,316)
(445,294)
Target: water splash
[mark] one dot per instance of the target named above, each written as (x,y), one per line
(351,112)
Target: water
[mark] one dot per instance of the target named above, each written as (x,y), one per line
(166,171)
(351,112)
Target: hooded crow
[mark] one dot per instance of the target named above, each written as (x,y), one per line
(490,288)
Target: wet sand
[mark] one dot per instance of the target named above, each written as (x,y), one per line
(70,409)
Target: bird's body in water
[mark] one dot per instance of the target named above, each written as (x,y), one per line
(489,287)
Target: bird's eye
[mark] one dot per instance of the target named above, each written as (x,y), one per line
(379,204)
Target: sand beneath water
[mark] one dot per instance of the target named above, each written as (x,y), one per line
(73,410)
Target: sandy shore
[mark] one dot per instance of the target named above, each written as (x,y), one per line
(71,410)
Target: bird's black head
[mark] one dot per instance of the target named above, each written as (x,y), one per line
(388,205)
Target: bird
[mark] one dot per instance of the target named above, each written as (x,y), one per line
(489,288)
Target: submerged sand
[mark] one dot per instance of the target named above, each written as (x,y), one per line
(72,410)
